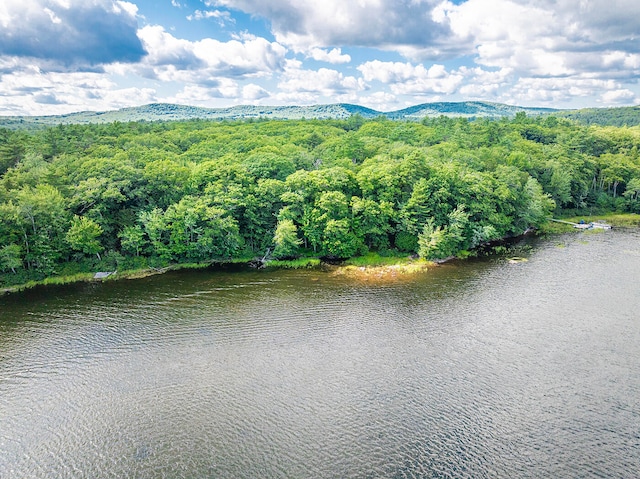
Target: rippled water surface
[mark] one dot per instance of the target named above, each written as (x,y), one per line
(479,369)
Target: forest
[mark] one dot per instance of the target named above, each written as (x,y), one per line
(133,195)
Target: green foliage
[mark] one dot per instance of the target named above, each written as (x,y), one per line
(286,240)
(83,235)
(10,257)
(132,239)
(621,116)
(406,242)
(437,241)
(339,240)
(199,191)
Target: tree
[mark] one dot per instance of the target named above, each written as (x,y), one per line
(633,189)
(83,235)
(538,205)
(286,240)
(437,242)
(12,149)
(431,241)
(132,239)
(42,220)
(372,220)
(200,231)
(10,257)
(339,240)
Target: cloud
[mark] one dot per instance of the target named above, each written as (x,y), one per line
(408,79)
(307,86)
(29,90)
(334,56)
(75,34)
(619,97)
(546,38)
(173,59)
(200,95)
(557,90)
(254,92)
(380,100)
(223,17)
(406,26)
(47,99)
(483,84)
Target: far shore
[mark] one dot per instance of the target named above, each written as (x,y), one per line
(371,267)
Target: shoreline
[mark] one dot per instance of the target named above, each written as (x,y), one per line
(369,267)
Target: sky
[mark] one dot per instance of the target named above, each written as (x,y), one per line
(63,56)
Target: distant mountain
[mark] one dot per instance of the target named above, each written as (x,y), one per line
(170,112)
(466,109)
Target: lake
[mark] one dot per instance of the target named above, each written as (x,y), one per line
(475,369)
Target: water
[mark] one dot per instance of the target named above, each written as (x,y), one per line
(479,369)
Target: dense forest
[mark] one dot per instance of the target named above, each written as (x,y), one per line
(620,116)
(130,195)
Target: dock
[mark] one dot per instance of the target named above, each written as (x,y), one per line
(584,226)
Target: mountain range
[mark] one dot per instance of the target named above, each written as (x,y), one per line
(171,112)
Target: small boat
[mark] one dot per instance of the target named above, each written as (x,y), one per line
(103,274)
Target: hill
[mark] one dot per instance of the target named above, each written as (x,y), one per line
(171,112)
(470,109)
(467,109)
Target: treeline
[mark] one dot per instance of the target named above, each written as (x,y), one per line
(620,116)
(125,195)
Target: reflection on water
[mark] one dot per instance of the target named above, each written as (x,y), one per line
(475,369)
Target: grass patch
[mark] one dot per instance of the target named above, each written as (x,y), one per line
(375,259)
(50,281)
(144,270)
(74,278)
(384,273)
(300,263)
(376,268)
(553,228)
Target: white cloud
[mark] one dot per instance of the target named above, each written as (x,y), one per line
(557,90)
(130,8)
(173,59)
(408,79)
(380,100)
(223,17)
(253,92)
(164,49)
(544,37)
(54,18)
(619,97)
(29,90)
(324,81)
(319,85)
(334,56)
(199,95)
(482,84)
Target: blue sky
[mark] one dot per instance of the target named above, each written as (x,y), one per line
(62,56)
